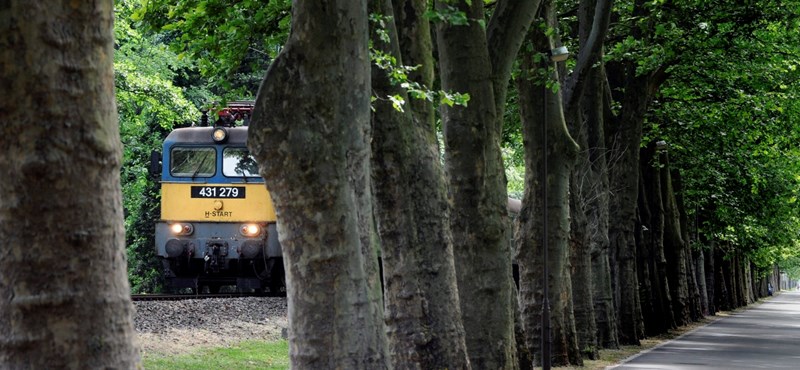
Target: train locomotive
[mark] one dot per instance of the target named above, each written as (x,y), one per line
(217,226)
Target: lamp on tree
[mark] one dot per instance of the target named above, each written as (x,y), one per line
(558,54)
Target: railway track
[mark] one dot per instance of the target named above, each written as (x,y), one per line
(181,297)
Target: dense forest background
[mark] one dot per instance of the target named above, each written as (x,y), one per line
(712,87)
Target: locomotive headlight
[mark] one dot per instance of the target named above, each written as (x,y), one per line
(181,229)
(220,135)
(250,230)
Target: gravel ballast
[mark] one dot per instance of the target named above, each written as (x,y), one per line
(173,327)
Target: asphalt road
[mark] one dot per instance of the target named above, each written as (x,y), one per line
(766,336)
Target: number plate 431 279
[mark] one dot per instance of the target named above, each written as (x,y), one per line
(218,192)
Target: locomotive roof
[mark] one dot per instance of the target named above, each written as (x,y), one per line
(202,135)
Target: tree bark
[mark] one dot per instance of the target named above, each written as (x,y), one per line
(624,178)
(741,279)
(722,281)
(309,137)
(583,107)
(696,307)
(636,89)
(605,313)
(710,274)
(470,63)
(61,218)
(700,277)
(542,112)
(674,247)
(659,318)
(423,315)
(581,271)
(416,49)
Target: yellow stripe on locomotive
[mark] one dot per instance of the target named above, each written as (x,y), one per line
(182,201)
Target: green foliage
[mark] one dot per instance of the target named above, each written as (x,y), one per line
(149,104)
(398,74)
(512,148)
(729,112)
(245,355)
(448,14)
(232,41)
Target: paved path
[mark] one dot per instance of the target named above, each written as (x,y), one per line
(766,336)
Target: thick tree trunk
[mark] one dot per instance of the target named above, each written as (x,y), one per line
(742,271)
(416,49)
(695,307)
(674,247)
(695,302)
(541,111)
(309,137)
(581,270)
(700,278)
(597,211)
(722,281)
(775,278)
(645,264)
(736,287)
(579,245)
(423,315)
(660,318)
(710,275)
(473,159)
(747,276)
(635,90)
(580,112)
(64,293)
(624,180)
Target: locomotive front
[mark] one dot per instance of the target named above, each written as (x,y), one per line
(217,224)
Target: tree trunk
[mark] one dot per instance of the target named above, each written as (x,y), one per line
(660,318)
(580,112)
(416,49)
(674,247)
(541,111)
(695,304)
(695,308)
(474,62)
(597,211)
(65,294)
(722,281)
(742,286)
(635,89)
(710,276)
(309,136)
(423,315)
(747,276)
(624,180)
(700,278)
(581,269)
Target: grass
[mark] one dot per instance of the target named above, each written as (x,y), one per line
(244,355)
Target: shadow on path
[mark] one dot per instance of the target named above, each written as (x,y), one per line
(766,336)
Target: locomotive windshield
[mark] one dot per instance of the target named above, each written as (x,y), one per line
(237,162)
(193,162)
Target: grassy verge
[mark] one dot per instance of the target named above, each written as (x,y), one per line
(245,355)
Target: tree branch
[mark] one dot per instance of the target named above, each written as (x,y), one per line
(505,33)
(589,53)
